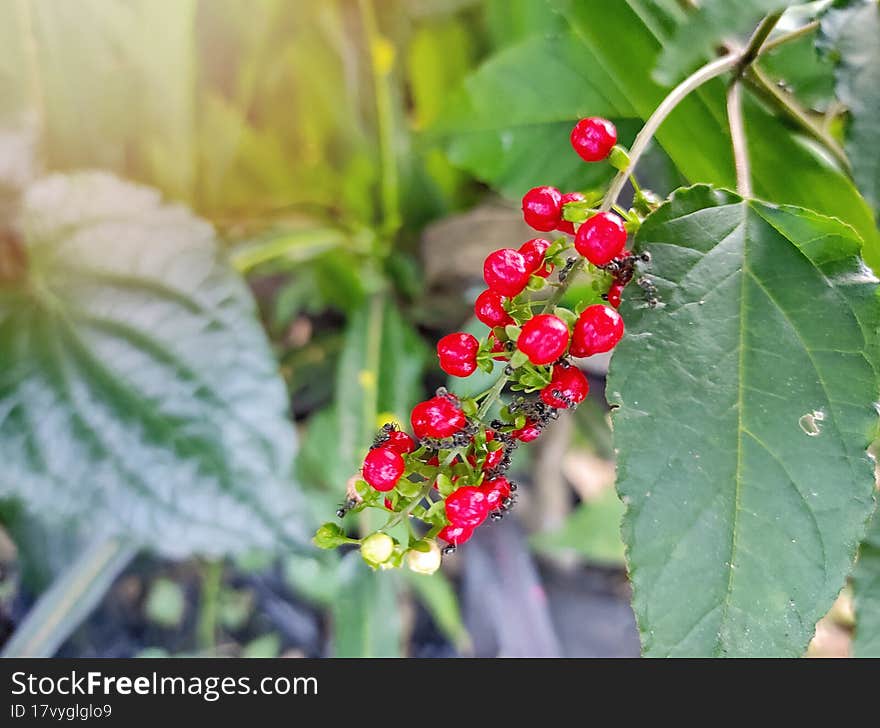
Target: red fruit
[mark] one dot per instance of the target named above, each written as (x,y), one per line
(489,308)
(496,491)
(564,225)
(400,442)
(593,138)
(456,534)
(567,387)
(601,238)
(528,432)
(533,251)
(388,504)
(467,506)
(383,468)
(505,272)
(598,329)
(498,348)
(490,435)
(543,338)
(458,354)
(614,294)
(438,417)
(542,208)
(493,459)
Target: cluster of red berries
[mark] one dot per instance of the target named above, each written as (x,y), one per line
(450,474)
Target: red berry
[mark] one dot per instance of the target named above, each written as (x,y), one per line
(388,504)
(543,338)
(614,294)
(564,225)
(499,350)
(533,251)
(593,138)
(383,468)
(496,491)
(458,354)
(438,417)
(601,238)
(598,329)
(400,442)
(506,272)
(489,308)
(456,534)
(568,387)
(467,506)
(528,432)
(493,459)
(542,208)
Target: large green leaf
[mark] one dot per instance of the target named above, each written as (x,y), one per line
(745,404)
(866,590)
(138,393)
(854,32)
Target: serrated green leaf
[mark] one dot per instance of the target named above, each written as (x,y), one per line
(745,404)
(866,594)
(138,393)
(854,33)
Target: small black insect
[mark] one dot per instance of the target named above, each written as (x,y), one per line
(566,269)
(450,549)
(345,507)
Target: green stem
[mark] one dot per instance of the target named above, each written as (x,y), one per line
(426,489)
(785,103)
(70,599)
(791,35)
(738,138)
(491,396)
(212,579)
(756,42)
(381,58)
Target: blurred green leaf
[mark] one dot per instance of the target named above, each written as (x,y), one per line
(265,646)
(138,392)
(804,71)
(705,29)
(591,531)
(853,31)
(165,603)
(866,594)
(527,98)
(366,616)
(439,598)
(510,21)
(744,408)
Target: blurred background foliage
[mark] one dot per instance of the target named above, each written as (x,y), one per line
(358,158)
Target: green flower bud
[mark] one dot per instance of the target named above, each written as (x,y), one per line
(377,548)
